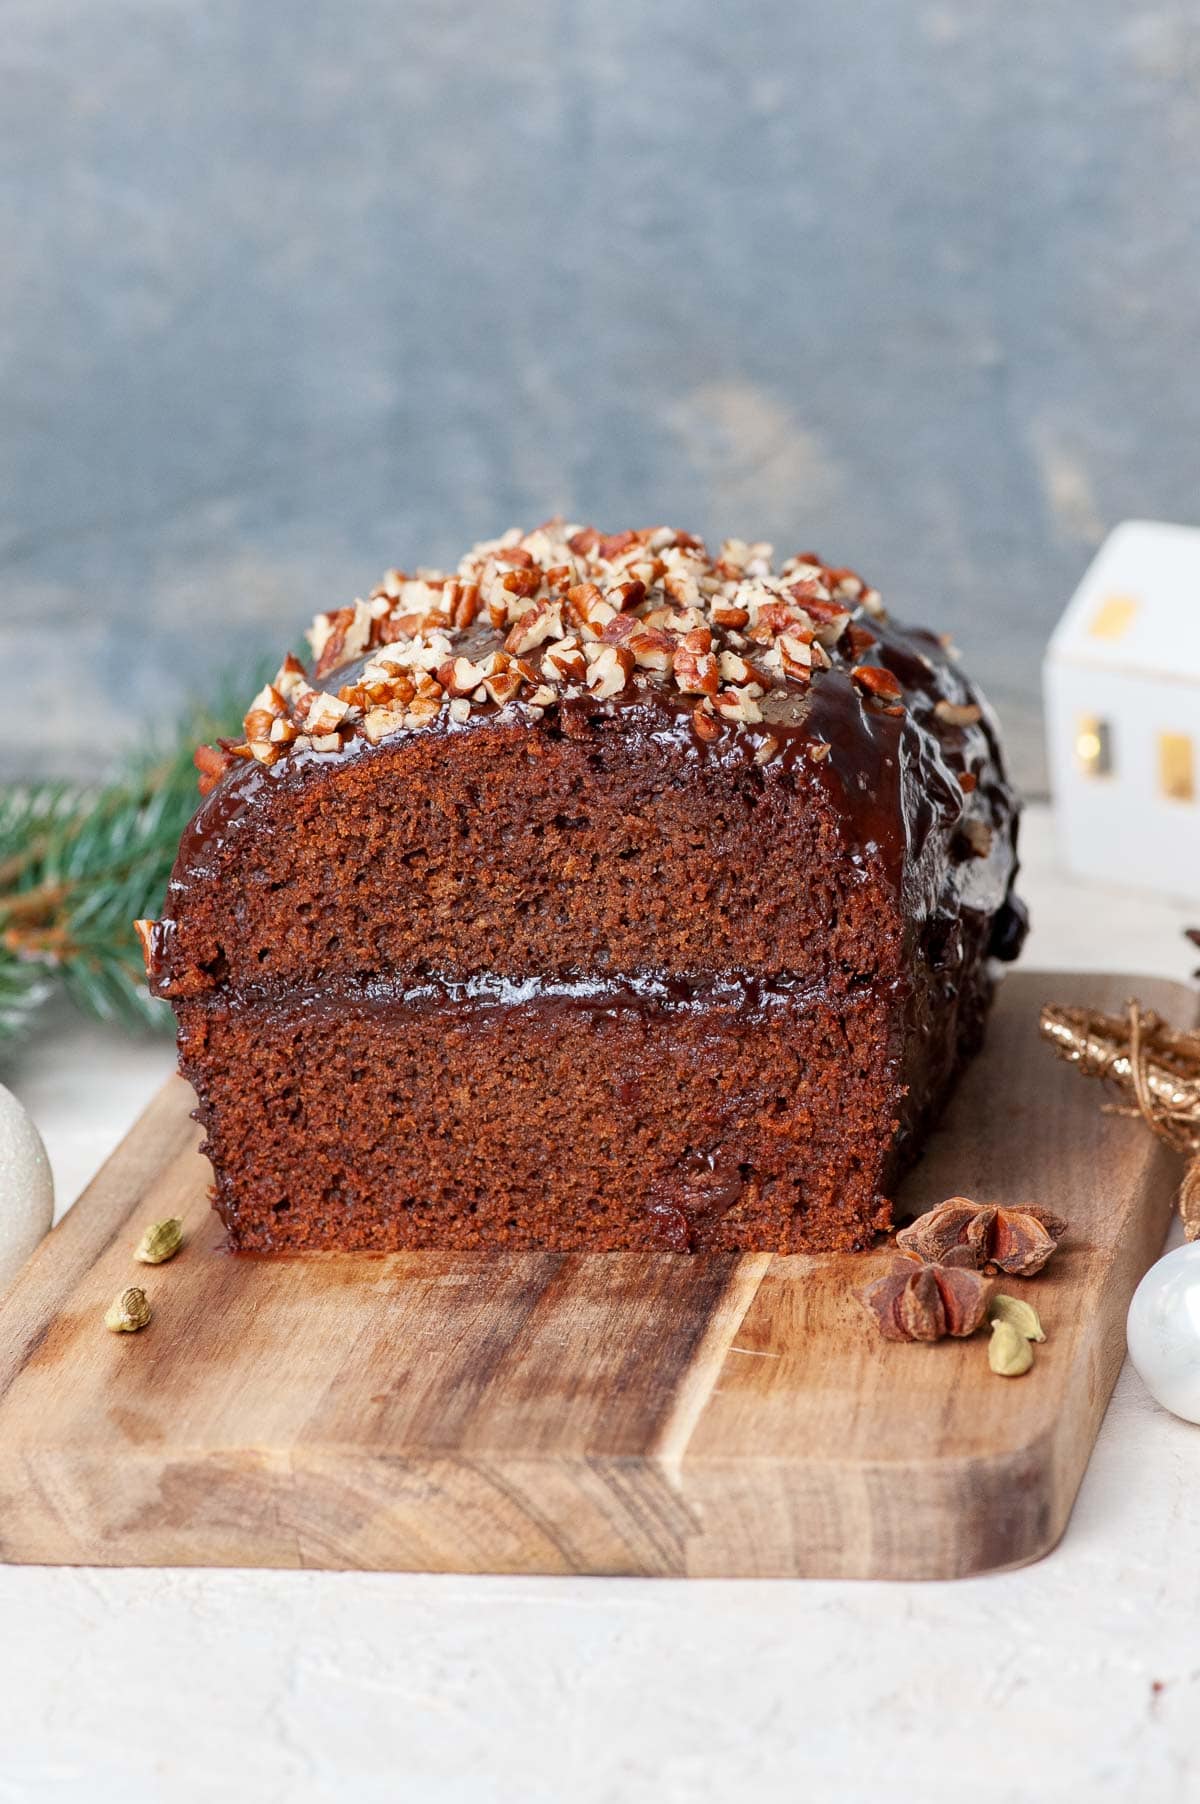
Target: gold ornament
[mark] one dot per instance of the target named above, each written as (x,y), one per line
(1154,1065)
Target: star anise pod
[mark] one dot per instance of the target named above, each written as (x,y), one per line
(925,1302)
(1018,1241)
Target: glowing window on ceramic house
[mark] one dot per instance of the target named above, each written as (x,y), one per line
(1093,746)
(1114,617)
(1176,767)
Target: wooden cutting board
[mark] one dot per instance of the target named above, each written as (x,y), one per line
(550,1413)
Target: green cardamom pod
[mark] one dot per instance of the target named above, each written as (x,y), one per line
(161,1241)
(1023,1316)
(1010,1353)
(129,1311)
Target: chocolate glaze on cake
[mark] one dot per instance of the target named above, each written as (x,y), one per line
(609,896)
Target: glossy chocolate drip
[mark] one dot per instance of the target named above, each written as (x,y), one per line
(748,995)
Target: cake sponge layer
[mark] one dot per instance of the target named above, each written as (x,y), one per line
(763,1123)
(524,849)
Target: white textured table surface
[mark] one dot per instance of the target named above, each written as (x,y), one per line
(1076,1679)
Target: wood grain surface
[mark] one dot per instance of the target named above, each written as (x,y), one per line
(552,1413)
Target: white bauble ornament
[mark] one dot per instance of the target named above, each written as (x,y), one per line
(26,1187)
(1164,1331)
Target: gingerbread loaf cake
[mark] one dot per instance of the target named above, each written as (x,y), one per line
(604,894)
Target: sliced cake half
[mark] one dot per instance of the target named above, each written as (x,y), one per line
(603,894)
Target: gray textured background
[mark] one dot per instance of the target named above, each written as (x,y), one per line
(292,292)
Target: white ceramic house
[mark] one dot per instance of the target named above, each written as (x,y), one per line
(1122,686)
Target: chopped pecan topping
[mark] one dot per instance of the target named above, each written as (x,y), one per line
(652,649)
(1018,1241)
(977,836)
(734,669)
(212,763)
(927,1302)
(704,724)
(695,667)
(739,704)
(541,622)
(615,544)
(628,594)
(564,662)
(145,933)
(378,723)
(957,714)
(522,582)
(610,670)
(795,656)
(571,610)
(724,613)
(459,676)
(846,582)
(582,600)
(324,713)
(877,681)
(290,679)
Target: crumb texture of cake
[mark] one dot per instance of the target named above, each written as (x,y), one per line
(603,894)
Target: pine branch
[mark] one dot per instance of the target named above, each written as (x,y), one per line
(22,988)
(79,866)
